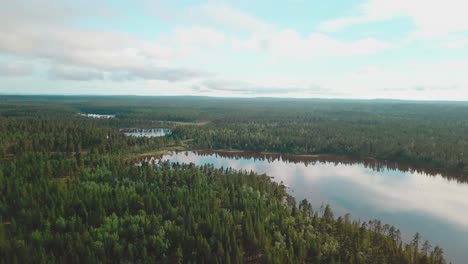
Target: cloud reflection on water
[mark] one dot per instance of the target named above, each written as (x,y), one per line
(432,205)
(403,191)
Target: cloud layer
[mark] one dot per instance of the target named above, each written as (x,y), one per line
(431,18)
(224,49)
(15,69)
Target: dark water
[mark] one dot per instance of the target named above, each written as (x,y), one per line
(153,132)
(413,201)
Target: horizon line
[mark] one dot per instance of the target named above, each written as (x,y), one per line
(233,97)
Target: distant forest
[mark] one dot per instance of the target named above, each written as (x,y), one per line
(429,135)
(71,193)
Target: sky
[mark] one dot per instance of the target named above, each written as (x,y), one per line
(399,49)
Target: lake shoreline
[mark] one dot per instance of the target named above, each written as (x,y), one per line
(371,161)
(405,166)
(366,191)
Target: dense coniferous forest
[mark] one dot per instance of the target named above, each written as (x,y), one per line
(71,192)
(431,135)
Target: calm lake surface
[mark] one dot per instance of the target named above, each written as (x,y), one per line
(154,132)
(412,201)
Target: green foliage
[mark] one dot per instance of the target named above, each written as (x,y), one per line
(68,195)
(180,213)
(429,135)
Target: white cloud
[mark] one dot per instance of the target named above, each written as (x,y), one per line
(33,34)
(234,19)
(63,72)
(263,36)
(456,44)
(40,11)
(431,17)
(249,56)
(339,23)
(445,80)
(288,43)
(198,36)
(68,45)
(193,41)
(403,81)
(37,35)
(104,51)
(213,14)
(10,69)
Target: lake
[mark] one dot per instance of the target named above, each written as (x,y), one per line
(413,201)
(153,132)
